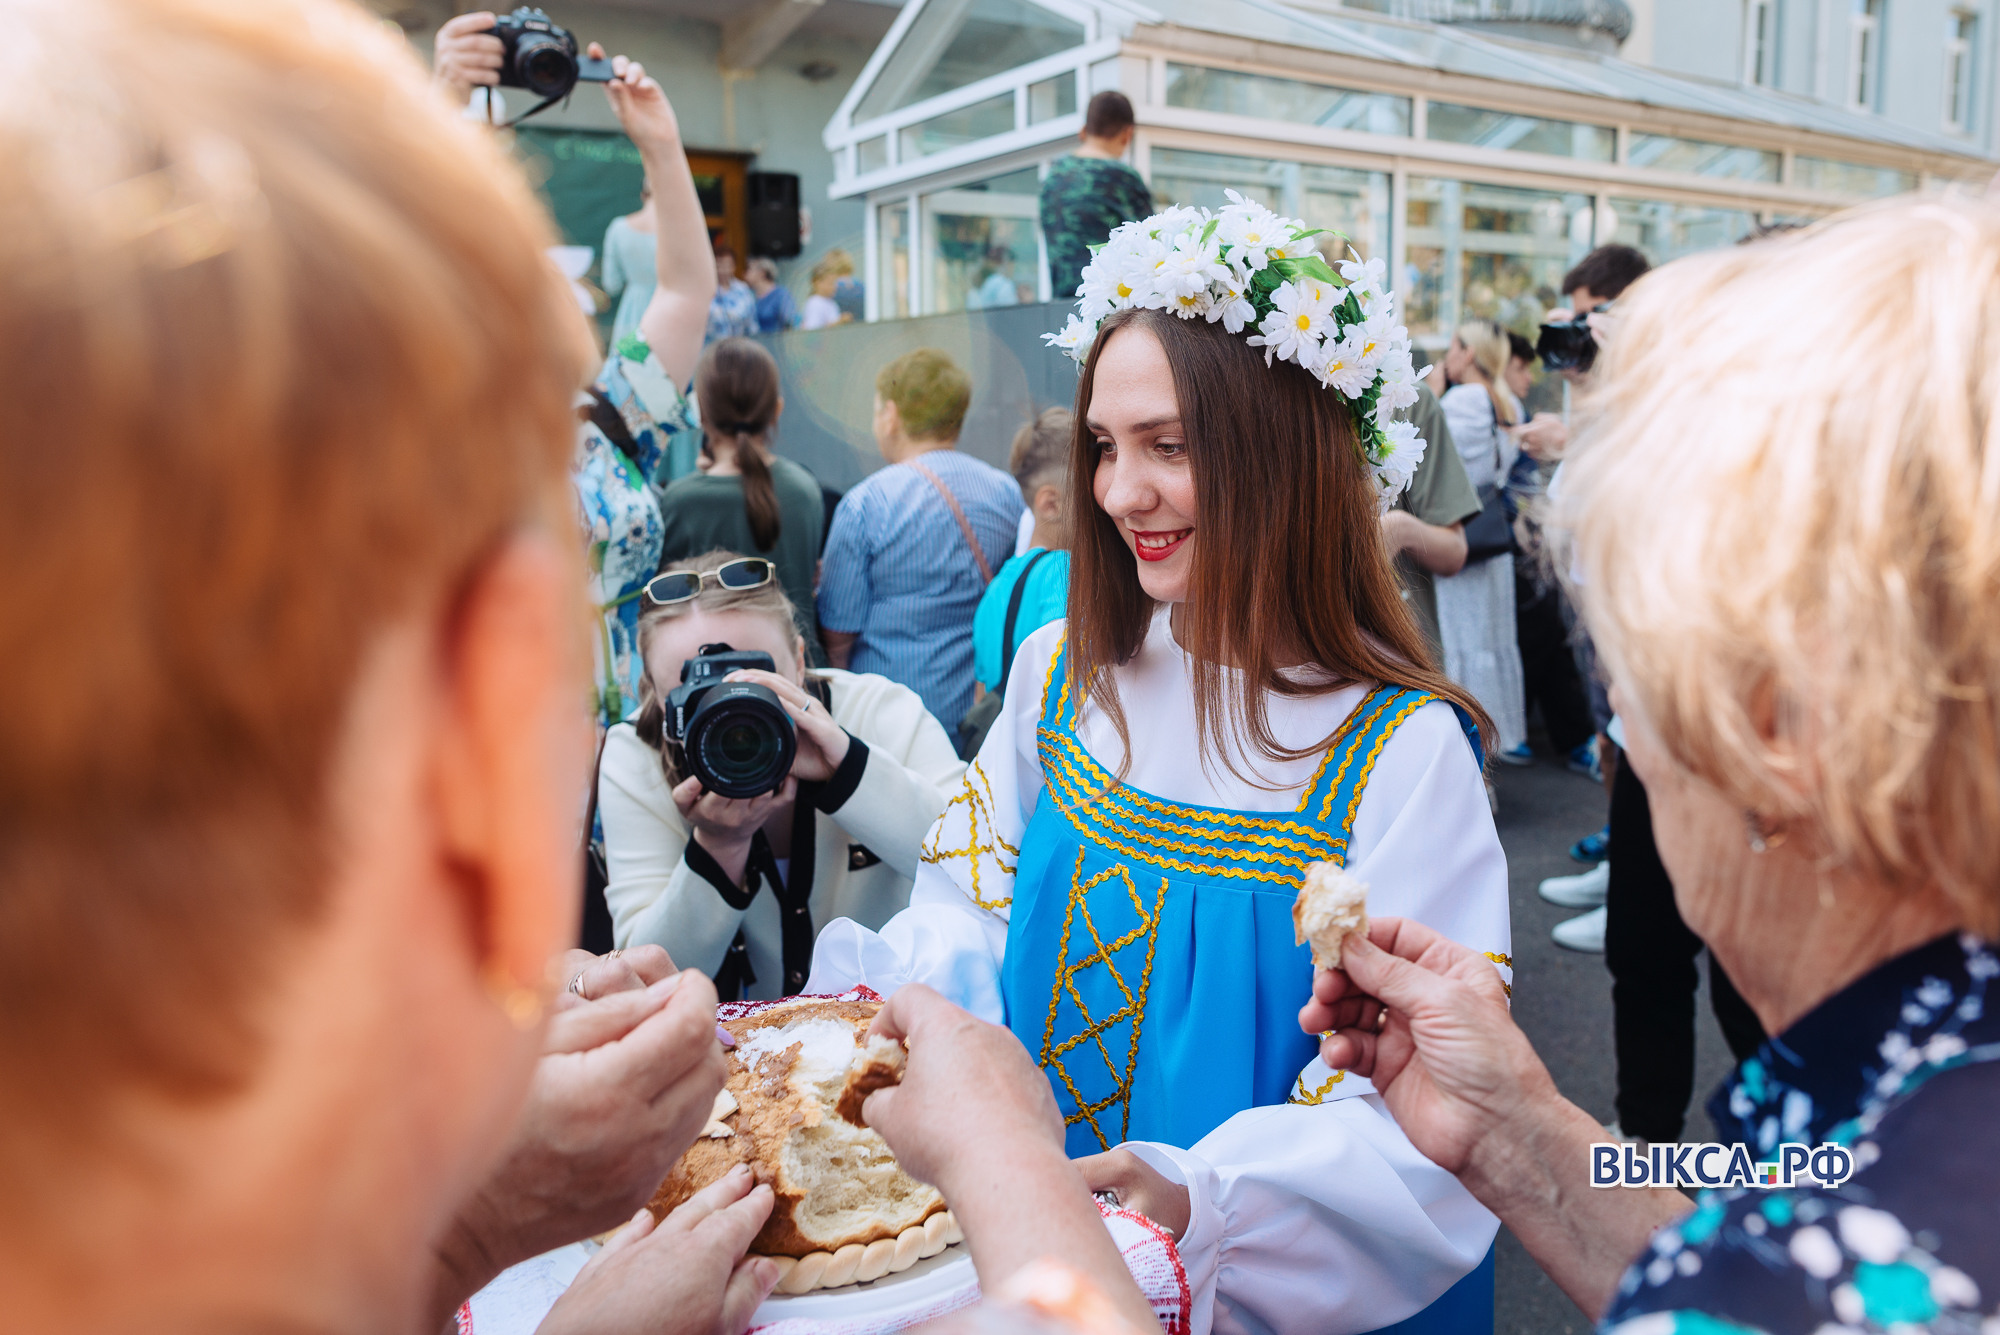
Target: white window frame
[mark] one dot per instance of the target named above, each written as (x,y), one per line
(1960,68)
(1864,54)
(1760,43)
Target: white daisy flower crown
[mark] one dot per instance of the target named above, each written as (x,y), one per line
(1247,268)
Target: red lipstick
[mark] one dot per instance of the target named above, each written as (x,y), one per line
(1158,545)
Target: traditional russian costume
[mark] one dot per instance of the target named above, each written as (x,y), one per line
(1135,932)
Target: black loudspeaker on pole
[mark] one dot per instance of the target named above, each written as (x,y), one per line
(774,214)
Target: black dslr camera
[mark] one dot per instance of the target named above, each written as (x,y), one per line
(735,736)
(542,57)
(1568,345)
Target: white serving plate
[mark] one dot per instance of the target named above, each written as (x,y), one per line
(926,1284)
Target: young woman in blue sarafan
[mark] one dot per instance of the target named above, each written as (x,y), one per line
(1237,692)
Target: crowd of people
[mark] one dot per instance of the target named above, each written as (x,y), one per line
(292,1037)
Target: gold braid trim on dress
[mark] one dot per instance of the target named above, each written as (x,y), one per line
(976,805)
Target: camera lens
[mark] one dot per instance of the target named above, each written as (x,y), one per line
(544,64)
(740,742)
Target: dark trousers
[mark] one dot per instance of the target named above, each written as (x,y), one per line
(1651,955)
(1548,667)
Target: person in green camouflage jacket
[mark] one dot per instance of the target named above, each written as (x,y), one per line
(1090,192)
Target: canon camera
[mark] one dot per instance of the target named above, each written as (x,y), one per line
(733,735)
(541,56)
(1567,345)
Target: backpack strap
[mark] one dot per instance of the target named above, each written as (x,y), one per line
(1007,645)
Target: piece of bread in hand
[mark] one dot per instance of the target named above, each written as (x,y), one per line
(1330,906)
(877,1064)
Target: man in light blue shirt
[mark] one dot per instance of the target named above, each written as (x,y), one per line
(913,546)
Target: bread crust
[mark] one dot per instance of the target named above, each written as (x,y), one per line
(770,1112)
(878,1065)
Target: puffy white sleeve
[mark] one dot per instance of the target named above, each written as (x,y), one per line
(953,936)
(1318,1215)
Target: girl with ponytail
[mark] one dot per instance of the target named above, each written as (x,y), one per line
(747,499)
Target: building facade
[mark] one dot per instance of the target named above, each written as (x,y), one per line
(1480,146)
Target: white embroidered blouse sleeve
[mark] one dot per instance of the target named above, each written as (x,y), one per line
(1320,1216)
(954,934)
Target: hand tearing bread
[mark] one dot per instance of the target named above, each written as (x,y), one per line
(877,1064)
(1330,907)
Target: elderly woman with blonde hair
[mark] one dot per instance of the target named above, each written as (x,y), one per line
(1785,527)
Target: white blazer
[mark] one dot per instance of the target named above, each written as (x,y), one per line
(864,856)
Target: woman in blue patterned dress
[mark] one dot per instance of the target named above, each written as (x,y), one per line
(1788,550)
(639,426)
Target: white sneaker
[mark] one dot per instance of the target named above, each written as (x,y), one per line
(1585,890)
(1584,933)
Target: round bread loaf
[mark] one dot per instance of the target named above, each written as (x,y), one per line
(836,1184)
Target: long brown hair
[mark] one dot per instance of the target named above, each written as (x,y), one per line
(736,385)
(1288,560)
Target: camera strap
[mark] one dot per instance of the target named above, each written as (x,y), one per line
(793,891)
(539,107)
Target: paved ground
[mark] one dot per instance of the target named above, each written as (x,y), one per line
(1563,1000)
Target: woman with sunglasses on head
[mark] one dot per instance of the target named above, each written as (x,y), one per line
(1238,691)
(733,886)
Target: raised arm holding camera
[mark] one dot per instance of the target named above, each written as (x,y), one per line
(743,774)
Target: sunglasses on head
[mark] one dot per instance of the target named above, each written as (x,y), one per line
(680,586)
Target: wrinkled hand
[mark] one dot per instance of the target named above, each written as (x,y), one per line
(623,1087)
(641,105)
(466,54)
(822,742)
(601,975)
(972,1101)
(1140,1187)
(688,1275)
(1426,1019)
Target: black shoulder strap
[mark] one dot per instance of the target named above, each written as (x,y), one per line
(1007,645)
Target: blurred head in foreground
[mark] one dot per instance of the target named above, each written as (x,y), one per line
(292,659)
(1786,519)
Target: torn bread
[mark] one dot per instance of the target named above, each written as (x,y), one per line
(877,1064)
(1330,907)
(837,1185)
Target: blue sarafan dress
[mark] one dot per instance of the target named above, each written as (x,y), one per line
(1125,909)
(1152,966)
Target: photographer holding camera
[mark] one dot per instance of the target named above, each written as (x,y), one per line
(743,774)
(1570,338)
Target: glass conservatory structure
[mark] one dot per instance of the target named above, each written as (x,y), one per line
(1480,166)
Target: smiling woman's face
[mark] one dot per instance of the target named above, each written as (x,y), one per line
(1143,480)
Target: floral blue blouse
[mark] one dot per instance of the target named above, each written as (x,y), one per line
(1903,1068)
(620,514)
